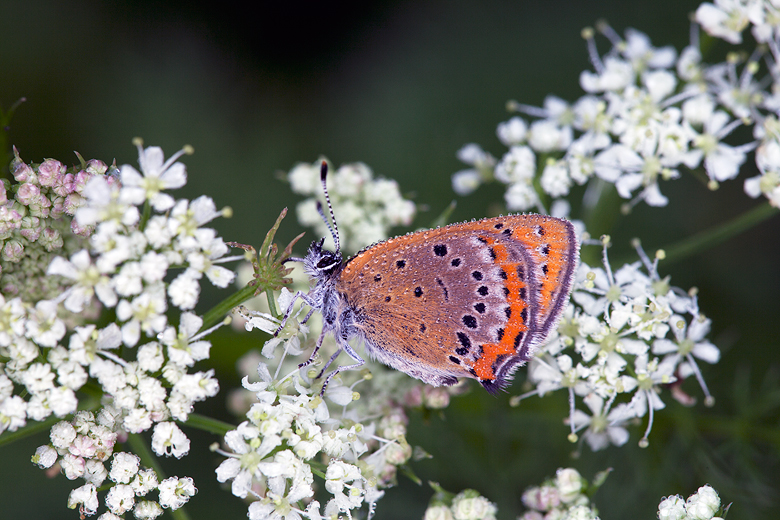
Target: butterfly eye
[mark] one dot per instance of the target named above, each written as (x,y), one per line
(327,260)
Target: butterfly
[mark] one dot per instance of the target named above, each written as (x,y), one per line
(470,300)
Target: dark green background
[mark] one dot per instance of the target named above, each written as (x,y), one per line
(400,86)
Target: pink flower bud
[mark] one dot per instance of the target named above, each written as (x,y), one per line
(13,251)
(22,172)
(79,230)
(41,207)
(50,239)
(73,202)
(436,398)
(50,171)
(31,228)
(57,207)
(96,167)
(80,180)
(64,185)
(28,193)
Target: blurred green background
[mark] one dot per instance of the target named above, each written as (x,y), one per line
(400,85)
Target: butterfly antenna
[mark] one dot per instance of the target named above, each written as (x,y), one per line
(334,230)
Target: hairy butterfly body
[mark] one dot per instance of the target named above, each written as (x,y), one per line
(465,300)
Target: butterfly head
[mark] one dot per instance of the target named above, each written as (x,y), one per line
(319,262)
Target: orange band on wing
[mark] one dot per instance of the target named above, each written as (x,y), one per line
(483,367)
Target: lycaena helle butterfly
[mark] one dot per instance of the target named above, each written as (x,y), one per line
(465,300)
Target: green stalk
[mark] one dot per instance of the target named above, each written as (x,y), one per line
(269,295)
(31,429)
(91,403)
(139,447)
(145,215)
(270,275)
(718,234)
(207,424)
(225,306)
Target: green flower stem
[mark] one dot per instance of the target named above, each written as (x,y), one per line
(207,424)
(269,294)
(140,448)
(147,213)
(31,429)
(318,468)
(225,306)
(91,403)
(720,233)
(270,275)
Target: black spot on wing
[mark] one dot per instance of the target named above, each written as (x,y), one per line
(469,321)
(443,288)
(464,340)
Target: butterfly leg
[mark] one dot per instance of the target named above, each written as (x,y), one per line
(314,353)
(354,355)
(303,296)
(330,361)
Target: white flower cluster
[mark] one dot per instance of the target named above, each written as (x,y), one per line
(291,433)
(564,496)
(567,496)
(625,336)
(366,208)
(85,446)
(466,505)
(36,223)
(140,363)
(702,505)
(646,113)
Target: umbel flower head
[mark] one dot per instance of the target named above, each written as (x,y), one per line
(36,223)
(626,335)
(123,243)
(647,115)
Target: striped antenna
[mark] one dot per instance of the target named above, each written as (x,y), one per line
(334,230)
